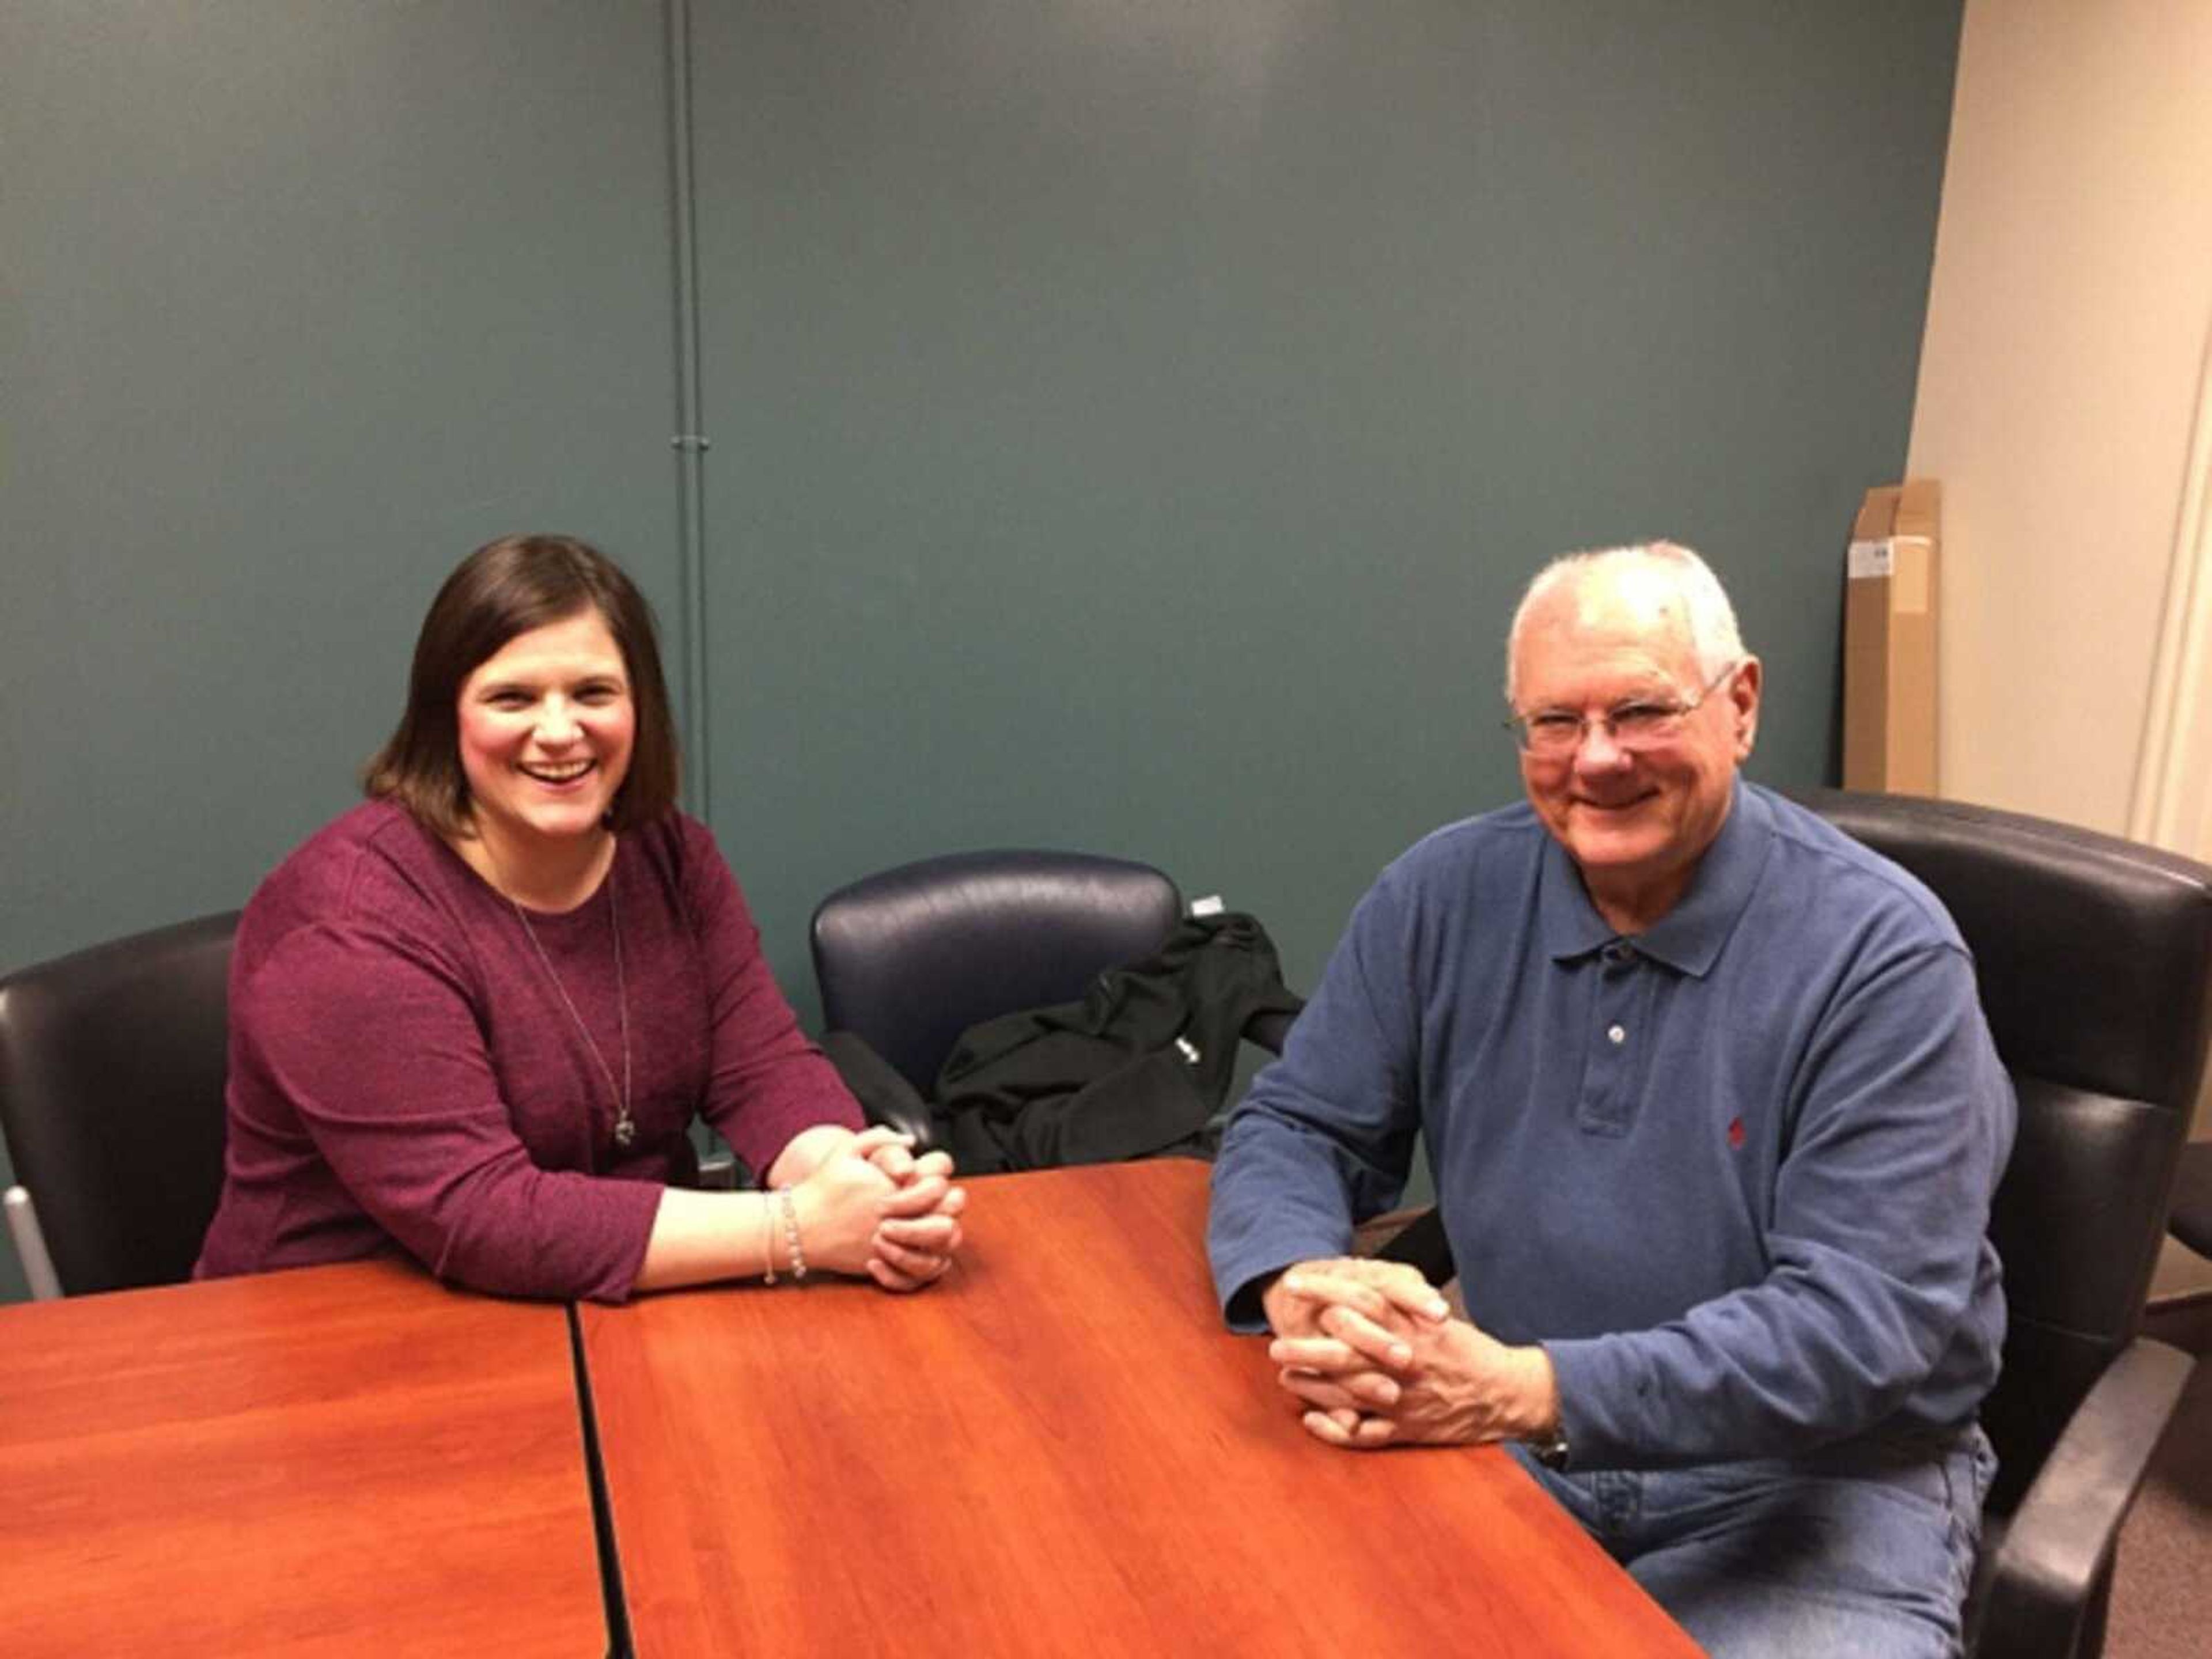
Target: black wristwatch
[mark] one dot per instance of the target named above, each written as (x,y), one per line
(1551,1451)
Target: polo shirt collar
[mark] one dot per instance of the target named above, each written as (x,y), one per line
(1689,936)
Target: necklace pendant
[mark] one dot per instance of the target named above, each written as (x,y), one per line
(625,1130)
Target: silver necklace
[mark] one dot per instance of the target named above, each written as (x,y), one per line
(625,1126)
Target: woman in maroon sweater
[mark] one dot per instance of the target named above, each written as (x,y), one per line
(473,1018)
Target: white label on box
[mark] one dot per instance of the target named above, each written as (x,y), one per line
(1870,560)
(1211,905)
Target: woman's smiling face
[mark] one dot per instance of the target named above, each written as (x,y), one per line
(546,727)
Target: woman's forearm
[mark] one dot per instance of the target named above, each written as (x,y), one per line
(699,1237)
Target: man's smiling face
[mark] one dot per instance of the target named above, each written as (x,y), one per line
(1635,822)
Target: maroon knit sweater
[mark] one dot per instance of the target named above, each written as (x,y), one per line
(404,1075)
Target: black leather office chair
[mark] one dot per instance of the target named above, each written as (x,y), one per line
(2094,957)
(112,1069)
(908,960)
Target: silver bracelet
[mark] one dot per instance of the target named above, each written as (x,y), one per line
(791,1232)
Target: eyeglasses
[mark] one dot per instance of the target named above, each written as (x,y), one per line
(1640,724)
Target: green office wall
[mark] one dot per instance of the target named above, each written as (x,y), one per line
(1130,421)
(1133,422)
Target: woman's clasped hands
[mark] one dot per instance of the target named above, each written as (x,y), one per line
(867,1204)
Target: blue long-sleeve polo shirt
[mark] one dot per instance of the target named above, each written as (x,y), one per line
(1733,1173)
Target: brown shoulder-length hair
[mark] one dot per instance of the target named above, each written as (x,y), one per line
(505,588)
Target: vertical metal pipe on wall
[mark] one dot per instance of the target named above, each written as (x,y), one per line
(689,443)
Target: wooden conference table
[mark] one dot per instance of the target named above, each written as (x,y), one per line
(348,1459)
(1057,1450)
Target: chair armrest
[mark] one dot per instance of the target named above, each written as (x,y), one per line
(2060,1543)
(1421,1243)
(30,1241)
(718,1168)
(885,1094)
(2189,1218)
(1269,1030)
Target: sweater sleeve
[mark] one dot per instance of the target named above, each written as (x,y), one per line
(1876,1246)
(765,1080)
(370,1035)
(1325,1137)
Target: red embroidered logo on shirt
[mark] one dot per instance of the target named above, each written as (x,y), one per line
(1736,1132)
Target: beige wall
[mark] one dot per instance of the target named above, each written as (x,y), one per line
(2068,323)
(2067,326)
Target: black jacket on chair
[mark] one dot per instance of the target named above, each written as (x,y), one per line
(1135,1069)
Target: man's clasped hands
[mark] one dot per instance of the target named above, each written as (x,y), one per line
(1371,1350)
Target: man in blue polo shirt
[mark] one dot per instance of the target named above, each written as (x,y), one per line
(1714,1121)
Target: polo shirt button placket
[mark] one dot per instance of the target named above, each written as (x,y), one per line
(1607,1098)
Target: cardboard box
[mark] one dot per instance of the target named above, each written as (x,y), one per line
(1889,639)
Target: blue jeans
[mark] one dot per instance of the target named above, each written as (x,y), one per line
(1864,1550)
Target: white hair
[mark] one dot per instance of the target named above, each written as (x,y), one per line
(1711,619)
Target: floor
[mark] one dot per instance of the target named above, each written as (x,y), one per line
(2162,1585)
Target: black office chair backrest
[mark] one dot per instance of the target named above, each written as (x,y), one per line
(112,1067)
(2093,958)
(910,958)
